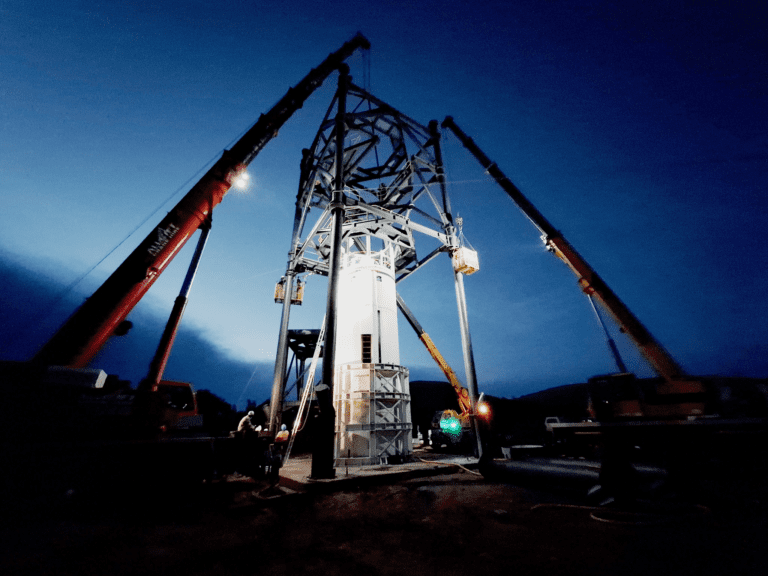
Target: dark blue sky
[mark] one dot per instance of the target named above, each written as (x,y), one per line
(637,128)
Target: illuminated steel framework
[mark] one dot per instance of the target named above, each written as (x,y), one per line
(392,186)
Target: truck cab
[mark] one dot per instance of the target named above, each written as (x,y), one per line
(179,405)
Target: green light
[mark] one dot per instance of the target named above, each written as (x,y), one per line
(450,425)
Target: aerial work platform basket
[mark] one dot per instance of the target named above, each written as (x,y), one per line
(297,293)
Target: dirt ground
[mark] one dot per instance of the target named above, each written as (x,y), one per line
(454,523)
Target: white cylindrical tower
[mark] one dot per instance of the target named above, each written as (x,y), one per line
(367,308)
(371,394)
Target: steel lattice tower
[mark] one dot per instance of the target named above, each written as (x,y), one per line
(379,174)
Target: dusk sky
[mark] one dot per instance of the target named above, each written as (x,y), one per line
(639,129)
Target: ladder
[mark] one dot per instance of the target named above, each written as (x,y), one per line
(297,423)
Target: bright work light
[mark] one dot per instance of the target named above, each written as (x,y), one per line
(242,181)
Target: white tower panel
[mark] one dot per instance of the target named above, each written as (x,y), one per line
(371,393)
(367,309)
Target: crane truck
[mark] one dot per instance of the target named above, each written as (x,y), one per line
(59,412)
(675,419)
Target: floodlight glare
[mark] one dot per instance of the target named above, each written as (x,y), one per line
(242,181)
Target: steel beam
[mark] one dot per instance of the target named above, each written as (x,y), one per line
(322,457)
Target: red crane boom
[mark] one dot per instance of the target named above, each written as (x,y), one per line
(88,329)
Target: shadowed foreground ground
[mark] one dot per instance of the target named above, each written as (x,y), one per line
(449,524)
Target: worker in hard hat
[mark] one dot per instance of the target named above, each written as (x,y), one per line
(280,448)
(283,435)
(250,450)
(246,424)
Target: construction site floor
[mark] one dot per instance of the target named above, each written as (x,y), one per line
(434,515)
(296,476)
(297,471)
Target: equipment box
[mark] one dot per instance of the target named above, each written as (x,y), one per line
(465,261)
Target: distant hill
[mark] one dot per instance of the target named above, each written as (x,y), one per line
(523,418)
(726,396)
(569,401)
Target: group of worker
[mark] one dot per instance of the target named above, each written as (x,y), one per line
(268,455)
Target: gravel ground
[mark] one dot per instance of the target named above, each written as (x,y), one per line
(455,523)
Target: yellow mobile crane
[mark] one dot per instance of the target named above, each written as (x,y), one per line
(453,427)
